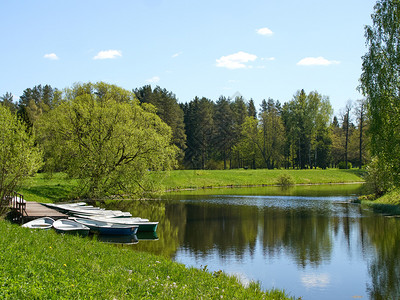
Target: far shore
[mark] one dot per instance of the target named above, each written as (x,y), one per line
(58,187)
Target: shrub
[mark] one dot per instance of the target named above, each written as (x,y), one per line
(379,178)
(285,180)
(342,165)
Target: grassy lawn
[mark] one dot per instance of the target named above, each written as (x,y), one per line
(37,264)
(45,188)
(240,177)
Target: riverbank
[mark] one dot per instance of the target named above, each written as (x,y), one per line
(388,204)
(55,188)
(39,264)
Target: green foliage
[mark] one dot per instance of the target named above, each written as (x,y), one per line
(225,133)
(102,136)
(37,101)
(18,156)
(199,123)
(377,177)
(272,135)
(7,101)
(285,180)
(380,83)
(390,198)
(343,165)
(306,120)
(68,267)
(168,110)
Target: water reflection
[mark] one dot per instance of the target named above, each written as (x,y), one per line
(318,247)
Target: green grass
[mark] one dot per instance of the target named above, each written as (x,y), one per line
(38,264)
(56,188)
(181,179)
(388,204)
(45,188)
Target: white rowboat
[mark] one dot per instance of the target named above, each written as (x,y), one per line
(41,223)
(70,227)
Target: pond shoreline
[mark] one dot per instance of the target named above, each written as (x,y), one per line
(259,185)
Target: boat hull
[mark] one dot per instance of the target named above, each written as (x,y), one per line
(143,226)
(107,228)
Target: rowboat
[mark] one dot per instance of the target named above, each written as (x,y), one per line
(113,219)
(41,223)
(143,224)
(76,209)
(70,227)
(107,228)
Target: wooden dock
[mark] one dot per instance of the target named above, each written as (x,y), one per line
(34,210)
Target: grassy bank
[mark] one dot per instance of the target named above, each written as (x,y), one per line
(240,177)
(45,188)
(387,204)
(45,265)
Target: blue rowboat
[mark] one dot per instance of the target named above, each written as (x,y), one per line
(107,228)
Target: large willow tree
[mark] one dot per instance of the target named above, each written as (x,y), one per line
(380,83)
(19,158)
(101,135)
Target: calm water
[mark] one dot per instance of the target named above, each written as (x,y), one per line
(308,241)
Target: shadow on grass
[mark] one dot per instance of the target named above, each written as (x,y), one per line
(54,193)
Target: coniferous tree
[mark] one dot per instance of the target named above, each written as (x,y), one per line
(7,101)
(224,128)
(168,110)
(36,101)
(251,108)
(200,129)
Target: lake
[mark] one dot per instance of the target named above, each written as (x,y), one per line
(308,240)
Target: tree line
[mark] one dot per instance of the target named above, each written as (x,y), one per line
(234,133)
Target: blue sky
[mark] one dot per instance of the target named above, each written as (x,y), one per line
(260,49)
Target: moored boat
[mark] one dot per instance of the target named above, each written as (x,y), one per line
(70,227)
(40,223)
(143,224)
(87,210)
(107,228)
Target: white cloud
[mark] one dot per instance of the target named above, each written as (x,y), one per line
(108,54)
(317,61)
(268,58)
(176,54)
(153,79)
(51,56)
(313,280)
(265,31)
(236,60)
